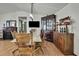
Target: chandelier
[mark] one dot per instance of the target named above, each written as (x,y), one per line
(31,14)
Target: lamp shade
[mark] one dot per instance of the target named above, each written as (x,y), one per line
(31,16)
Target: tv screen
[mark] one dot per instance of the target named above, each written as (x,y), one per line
(34,24)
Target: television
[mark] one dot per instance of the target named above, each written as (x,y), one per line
(34,24)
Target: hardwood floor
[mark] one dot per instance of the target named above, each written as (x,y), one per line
(6,48)
(51,50)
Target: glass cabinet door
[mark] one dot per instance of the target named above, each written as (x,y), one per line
(49,25)
(43,25)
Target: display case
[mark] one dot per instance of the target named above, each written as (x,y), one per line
(48,22)
(48,26)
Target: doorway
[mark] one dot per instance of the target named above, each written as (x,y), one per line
(22,24)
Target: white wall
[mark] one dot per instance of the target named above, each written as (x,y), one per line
(73,11)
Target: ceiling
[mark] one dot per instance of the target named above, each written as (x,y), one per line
(38,8)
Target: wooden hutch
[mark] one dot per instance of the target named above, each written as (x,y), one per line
(48,26)
(63,39)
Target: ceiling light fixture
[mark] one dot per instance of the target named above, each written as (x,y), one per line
(31,15)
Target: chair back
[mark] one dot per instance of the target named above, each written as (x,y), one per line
(23,39)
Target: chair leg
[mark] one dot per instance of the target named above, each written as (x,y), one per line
(42,50)
(13,52)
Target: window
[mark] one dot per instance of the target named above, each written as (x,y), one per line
(11,23)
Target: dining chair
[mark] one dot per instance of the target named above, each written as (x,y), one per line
(24,43)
